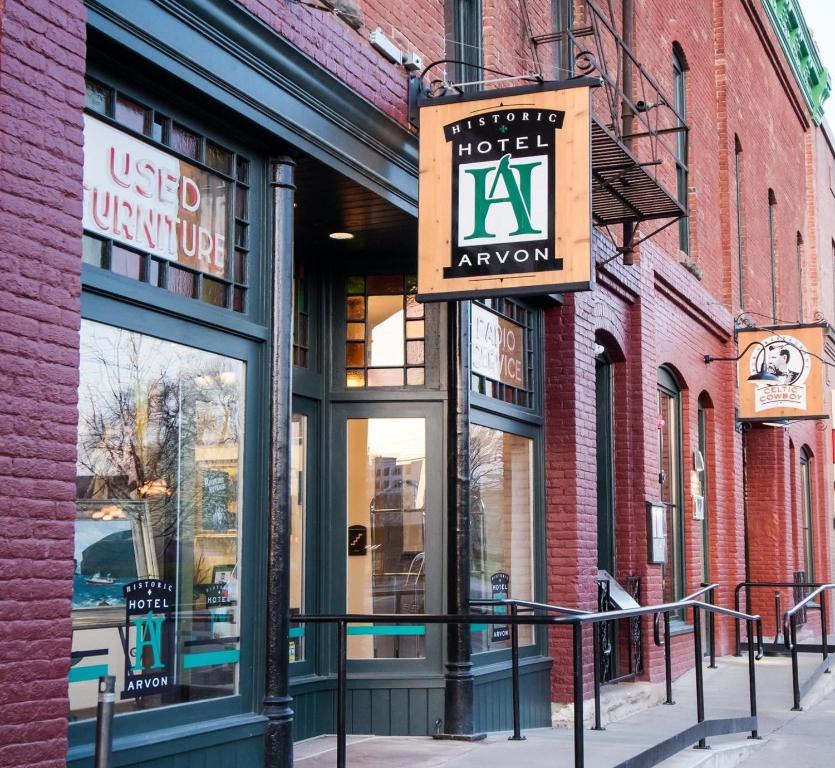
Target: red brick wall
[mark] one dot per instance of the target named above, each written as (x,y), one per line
(41,98)
(658,313)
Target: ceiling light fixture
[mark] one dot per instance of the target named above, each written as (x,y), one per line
(341,236)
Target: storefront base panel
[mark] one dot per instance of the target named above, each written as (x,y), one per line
(411,708)
(209,745)
(400,709)
(494,697)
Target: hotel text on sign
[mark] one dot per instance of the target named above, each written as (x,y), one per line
(142,197)
(505,195)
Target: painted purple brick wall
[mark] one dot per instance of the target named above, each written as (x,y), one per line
(42,49)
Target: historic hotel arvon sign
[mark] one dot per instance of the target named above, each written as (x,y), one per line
(505,204)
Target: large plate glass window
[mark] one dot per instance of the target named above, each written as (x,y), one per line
(501,535)
(159,494)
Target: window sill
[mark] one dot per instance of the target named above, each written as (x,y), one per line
(679,627)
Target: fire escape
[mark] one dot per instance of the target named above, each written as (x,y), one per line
(639,139)
(638,136)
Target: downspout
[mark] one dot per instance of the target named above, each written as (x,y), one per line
(628,19)
(278,752)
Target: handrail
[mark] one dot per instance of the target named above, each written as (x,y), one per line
(706,588)
(529,604)
(790,641)
(748,585)
(790,614)
(577,619)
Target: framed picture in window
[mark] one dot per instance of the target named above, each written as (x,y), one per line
(113,546)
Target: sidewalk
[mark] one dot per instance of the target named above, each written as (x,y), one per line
(797,739)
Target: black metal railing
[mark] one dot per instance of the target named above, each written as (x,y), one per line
(791,620)
(708,591)
(621,658)
(598,49)
(547,615)
(799,589)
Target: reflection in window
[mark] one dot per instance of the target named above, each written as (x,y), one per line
(501,470)
(225,189)
(384,332)
(386,533)
(158,498)
(298,513)
(503,351)
(669,449)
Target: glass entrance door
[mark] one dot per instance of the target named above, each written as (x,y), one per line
(390,494)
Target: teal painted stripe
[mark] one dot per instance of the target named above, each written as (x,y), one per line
(479,628)
(211,659)
(418,629)
(296,632)
(92,672)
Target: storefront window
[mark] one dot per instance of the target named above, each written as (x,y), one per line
(151,215)
(157,533)
(298,513)
(502,351)
(501,467)
(386,533)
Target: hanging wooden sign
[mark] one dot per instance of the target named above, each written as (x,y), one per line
(793,354)
(505,202)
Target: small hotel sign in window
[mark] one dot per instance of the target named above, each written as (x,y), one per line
(505,205)
(142,197)
(497,348)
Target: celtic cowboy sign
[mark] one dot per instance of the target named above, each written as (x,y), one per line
(793,355)
(504,194)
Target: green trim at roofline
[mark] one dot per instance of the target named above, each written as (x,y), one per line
(796,41)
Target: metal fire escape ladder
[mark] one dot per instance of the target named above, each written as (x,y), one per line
(629,170)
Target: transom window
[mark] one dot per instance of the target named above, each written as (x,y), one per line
(502,351)
(384,332)
(145,217)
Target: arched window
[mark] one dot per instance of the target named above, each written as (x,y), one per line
(679,95)
(806,513)
(670,481)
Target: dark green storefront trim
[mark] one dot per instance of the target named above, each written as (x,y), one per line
(237,740)
(411,706)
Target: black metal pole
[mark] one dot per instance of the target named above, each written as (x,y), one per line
(737,639)
(595,630)
(514,655)
(278,752)
(795,671)
(459,684)
(668,662)
(824,640)
(752,680)
(341,692)
(700,685)
(577,647)
(628,20)
(778,613)
(104,722)
(711,619)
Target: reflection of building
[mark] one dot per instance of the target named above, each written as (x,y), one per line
(306,163)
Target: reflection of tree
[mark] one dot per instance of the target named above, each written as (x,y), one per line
(144,407)
(486,459)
